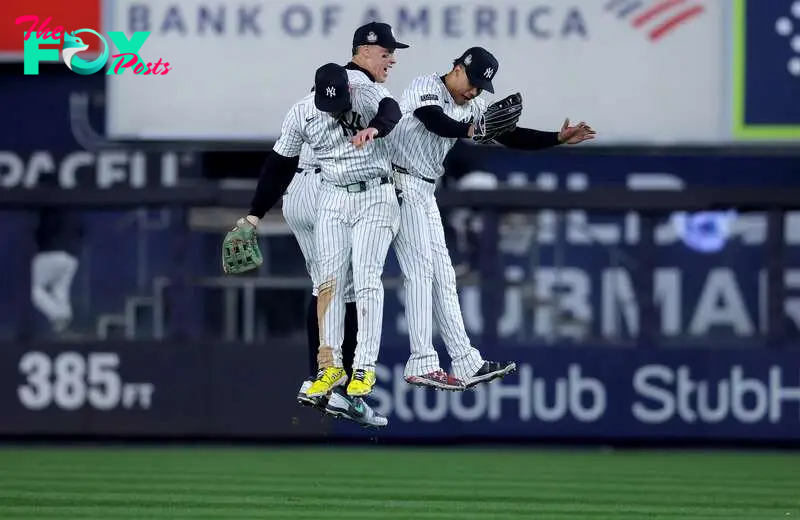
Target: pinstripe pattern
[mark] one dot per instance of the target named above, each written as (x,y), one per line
(466,359)
(300,196)
(415,256)
(415,148)
(300,213)
(357,228)
(341,162)
(352,228)
(300,206)
(430,282)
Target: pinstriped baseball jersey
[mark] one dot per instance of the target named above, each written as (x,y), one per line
(430,282)
(300,207)
(307,157)
(415,148)
(329,137)
(353,228)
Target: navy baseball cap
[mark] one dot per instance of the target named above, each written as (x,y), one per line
(481,67)
(377,33)
(332,89)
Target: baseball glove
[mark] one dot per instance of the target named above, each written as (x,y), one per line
(500,117)
(240,251)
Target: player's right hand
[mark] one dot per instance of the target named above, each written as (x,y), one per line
(364,136)
(575,134)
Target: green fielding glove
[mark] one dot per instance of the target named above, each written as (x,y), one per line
(240,251)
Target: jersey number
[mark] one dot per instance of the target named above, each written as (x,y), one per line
(350,123)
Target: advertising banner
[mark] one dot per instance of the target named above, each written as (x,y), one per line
(578,276)
(767,69)
(605,392)
(224,390)
(155,389)
(639,72)
(95,169)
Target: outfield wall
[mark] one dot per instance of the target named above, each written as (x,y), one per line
(225,391)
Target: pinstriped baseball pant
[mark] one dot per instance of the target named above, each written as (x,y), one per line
(430,283)
(354,229)
(300,212)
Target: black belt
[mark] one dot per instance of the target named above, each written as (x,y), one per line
(400,169)
(358,187)
(301,170)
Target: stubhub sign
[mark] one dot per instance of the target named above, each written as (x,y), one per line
(591,392)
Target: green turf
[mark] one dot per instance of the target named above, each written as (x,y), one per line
(387,484)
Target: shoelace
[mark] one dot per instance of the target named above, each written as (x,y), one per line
(325,376)
(360,375)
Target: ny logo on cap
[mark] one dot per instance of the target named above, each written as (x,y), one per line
(372,37)
(330,92)
(488,73)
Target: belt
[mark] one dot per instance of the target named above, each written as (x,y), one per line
(400,169)
(307,170)
(358,187)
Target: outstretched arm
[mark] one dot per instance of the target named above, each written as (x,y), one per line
(436,121)
(240,251)
(531,140)
(276,174)
(279,168)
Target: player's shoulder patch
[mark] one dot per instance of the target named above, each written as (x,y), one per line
(424,89)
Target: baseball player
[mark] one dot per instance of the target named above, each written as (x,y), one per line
(437,111)
(358,211)
(373,55)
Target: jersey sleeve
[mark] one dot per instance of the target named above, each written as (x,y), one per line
(424,91)
(291,140)
(356,76)
(366,98)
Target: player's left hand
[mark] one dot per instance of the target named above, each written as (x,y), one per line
(575,134)
(364,136)
(240,250)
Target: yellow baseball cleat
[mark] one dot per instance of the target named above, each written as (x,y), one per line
(362,383)
(327,379)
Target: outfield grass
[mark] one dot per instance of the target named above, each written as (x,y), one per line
(387,484)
